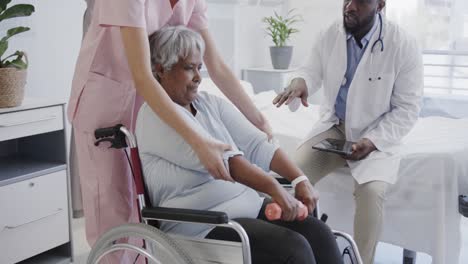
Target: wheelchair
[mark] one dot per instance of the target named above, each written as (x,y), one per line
(154,246)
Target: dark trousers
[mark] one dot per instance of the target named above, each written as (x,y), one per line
(279,242)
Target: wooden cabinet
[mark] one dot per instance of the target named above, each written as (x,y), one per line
(34,184)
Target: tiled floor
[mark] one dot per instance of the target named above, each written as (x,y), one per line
(386,254)
(80,246)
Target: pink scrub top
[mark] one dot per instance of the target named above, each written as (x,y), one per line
(102,87)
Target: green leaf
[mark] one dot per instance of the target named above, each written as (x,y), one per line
(3,47)
(11,32)
(290,11)
(20,10)
(18,62)
(14,31)
(12,55)
(3,4)
(279,27)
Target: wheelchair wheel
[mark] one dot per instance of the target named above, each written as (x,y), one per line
(348,248)
(160,248)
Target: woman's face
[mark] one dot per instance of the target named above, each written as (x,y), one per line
(182,80)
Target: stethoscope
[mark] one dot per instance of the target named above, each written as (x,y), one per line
(379,40)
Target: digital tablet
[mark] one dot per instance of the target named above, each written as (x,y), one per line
(337,146)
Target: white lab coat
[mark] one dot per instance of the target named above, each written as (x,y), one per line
(383,101)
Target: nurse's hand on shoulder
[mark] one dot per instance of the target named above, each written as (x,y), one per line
(210,152)
(361,149)
(297,88)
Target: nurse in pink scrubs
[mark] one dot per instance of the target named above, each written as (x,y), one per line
(112,78)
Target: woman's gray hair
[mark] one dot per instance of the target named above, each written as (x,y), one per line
(170,44)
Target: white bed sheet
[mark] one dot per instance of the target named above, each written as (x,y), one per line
(422,207)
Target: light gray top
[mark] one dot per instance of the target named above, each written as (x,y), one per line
(174,175)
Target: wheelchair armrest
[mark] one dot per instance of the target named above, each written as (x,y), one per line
(283,181)
(184,215)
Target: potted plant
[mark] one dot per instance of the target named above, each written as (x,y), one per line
(12,67)
(280,28)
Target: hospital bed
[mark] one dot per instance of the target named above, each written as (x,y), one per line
(422,207)
(145,243)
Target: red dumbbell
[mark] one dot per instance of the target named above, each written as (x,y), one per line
(273,212)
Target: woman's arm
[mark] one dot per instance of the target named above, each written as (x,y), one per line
(136,46)
(262,153)
(244,172)
(304,191)
(226,81)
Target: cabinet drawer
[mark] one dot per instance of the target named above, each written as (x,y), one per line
(30,122)
(34,216)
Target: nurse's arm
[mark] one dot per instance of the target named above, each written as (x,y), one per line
(223,77)
(260,152)
(136,47)
(244,172)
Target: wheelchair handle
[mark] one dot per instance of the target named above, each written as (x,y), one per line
(107,131)
(116,135)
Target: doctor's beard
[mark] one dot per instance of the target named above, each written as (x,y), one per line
(353,25)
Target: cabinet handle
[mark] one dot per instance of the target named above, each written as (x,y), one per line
(28,122)
(49,215)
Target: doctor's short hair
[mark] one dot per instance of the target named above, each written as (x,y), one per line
(172,43)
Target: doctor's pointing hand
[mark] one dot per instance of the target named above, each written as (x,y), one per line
(298,89)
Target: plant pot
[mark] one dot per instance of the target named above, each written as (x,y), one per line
(12,82)
(281,57)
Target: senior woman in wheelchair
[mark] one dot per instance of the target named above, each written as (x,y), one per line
(175,177)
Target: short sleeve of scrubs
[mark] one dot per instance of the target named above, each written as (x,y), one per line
(198,20)
(126,13)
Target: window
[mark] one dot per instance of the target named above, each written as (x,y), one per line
(441,26)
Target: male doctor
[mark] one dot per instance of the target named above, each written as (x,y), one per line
(372,76)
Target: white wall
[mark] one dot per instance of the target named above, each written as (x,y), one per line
(56,27)
(317,15)
(240,33)
(52,45)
